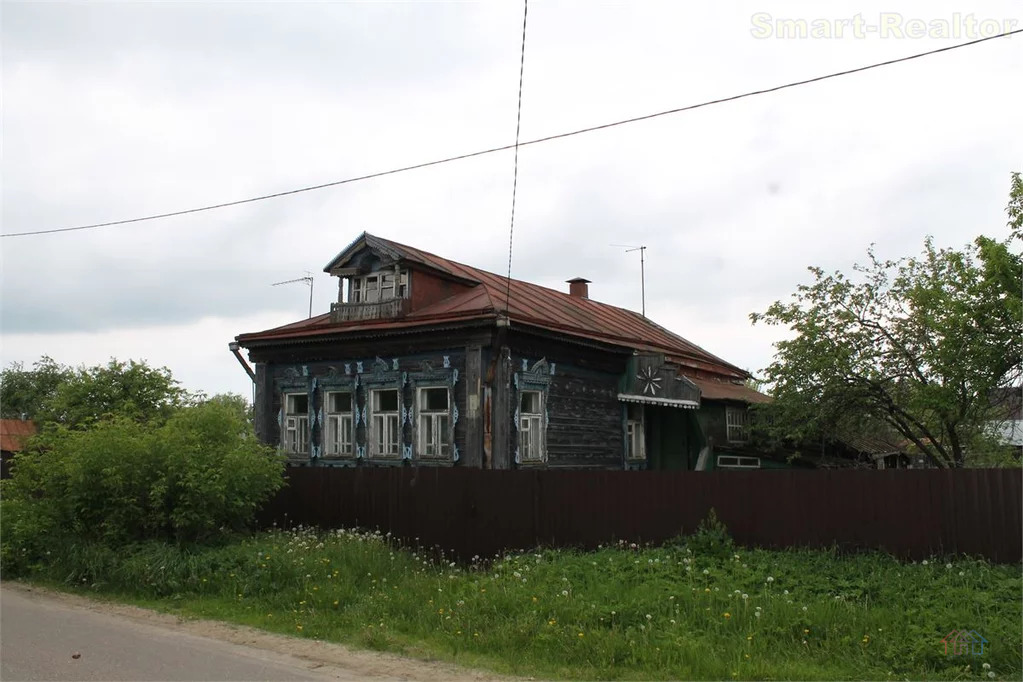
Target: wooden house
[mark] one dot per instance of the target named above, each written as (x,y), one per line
(425,361)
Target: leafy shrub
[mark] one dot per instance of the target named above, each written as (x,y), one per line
(711,537)
(199,474)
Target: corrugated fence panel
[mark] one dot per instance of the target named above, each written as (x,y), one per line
(468,512)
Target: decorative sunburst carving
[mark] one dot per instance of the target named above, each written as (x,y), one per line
(651,382)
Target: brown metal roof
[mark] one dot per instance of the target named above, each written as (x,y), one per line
(712,389)
(14,433)
(527,304)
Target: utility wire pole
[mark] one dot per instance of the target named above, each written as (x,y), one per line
(308,279)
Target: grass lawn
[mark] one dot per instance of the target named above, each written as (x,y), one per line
(697,609)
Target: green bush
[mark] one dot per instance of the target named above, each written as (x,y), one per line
(201,473)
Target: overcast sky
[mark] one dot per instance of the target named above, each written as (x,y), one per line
(119,110)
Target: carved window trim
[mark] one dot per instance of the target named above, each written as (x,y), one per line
(396,281)
(295,381)
(430,377)
(437,422)
(535,378)
(338,424)
(296,430)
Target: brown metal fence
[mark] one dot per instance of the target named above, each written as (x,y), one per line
(909,513)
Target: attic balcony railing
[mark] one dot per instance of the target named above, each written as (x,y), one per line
(345,312)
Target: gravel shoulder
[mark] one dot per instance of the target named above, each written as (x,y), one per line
(326,659)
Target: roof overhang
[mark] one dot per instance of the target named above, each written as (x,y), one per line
(659,402)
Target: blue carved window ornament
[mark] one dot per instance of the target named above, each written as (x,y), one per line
(531,416)
(296,416)
(339,412)
(433,412)
(385,430)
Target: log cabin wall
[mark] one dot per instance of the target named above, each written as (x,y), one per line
(584,422)
(359,375)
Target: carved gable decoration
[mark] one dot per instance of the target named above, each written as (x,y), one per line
(651,379)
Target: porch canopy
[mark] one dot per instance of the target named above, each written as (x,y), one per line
(682,403)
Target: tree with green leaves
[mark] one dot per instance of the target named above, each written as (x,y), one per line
(55,393)
(23,392)
(919,344)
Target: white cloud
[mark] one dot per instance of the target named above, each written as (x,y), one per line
(119,110)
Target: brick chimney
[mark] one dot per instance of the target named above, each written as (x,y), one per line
(578,287)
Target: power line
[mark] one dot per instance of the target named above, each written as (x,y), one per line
(506,147)
(515,175)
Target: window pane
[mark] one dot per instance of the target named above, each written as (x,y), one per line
(297,403)
(340,402)
(392,434)
(530,402)
(534,441)
(385,401)
(434,399)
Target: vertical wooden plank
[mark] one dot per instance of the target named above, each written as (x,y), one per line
(1010,547)
(472,453)
(501,412)
(262,407)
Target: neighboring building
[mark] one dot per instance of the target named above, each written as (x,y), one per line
(432,362)
(14,433)
(1008,405)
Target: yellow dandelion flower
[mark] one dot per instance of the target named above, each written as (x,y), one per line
(580,634)
(726,615)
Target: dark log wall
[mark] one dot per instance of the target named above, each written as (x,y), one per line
(711,417)
(585,428)
(585,420)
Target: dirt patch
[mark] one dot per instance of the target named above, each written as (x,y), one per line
(324,657)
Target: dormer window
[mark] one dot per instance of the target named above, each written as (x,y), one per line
(378,286)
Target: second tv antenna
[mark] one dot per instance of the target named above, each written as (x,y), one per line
(308,279)
(642,270)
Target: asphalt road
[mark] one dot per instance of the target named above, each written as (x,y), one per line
(40,633)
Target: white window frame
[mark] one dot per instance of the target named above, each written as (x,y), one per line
(295,425)
(635,433)
(339,435)
(737,462)
(396,285)
(434,429)
(737,423)
(531,423)
(384,425)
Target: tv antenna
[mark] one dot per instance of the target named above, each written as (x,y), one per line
(308,279)
(642,269)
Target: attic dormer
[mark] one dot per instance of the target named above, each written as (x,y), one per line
(378,279)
